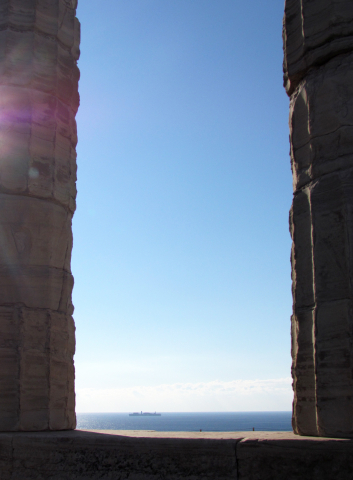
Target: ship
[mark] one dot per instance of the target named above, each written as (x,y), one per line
(144,414)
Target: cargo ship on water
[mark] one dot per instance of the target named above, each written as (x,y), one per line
(144,414)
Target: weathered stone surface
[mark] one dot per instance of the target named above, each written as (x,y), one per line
(279,456)
(313,32)
(84,455)
(39,48)
(321,121)
(318,70)
(145,455)
(36,350)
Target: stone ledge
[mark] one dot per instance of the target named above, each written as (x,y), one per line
(150,455)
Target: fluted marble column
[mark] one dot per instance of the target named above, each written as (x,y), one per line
(318,77)
(39,49)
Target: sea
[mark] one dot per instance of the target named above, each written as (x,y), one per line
(188,422)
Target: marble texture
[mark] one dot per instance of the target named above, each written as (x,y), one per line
(39,49)
(318,65)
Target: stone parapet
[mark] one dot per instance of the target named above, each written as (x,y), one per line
(138,455)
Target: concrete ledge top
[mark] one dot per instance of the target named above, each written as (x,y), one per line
(191,435)
(238,436)
(119,435)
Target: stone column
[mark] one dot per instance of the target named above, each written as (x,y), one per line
(39,49)
(318,77)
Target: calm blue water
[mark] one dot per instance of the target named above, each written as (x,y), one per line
(188,422)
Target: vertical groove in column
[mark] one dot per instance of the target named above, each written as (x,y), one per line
(314,326)
(303,369)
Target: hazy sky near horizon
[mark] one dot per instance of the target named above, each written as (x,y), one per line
(181,249)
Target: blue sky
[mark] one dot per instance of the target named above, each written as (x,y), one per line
(181,244)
